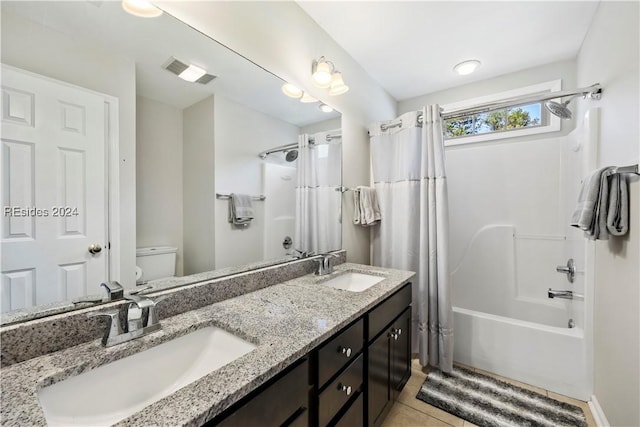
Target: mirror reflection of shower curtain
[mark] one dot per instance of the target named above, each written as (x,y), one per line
(409,177)
(318,203)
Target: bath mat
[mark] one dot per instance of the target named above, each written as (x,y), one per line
(488,402)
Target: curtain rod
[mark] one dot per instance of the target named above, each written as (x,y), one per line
(594,92)
(294,146)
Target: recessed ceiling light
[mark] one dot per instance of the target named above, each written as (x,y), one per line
(141,8)
(291,90)
(306,98)
(192,73)
(325,108)
(466,67)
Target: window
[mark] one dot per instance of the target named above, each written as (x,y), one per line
(526,119)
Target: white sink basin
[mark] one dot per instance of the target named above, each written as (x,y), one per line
(354,282)
(110,393)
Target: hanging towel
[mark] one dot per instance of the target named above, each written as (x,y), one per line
(593,203)
(369,209)
(356,206)
(618,211)
(240,210)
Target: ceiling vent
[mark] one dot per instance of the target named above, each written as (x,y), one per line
(177,67)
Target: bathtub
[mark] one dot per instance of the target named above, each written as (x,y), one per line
(545,356)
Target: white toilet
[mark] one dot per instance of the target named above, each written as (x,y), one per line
(154,263)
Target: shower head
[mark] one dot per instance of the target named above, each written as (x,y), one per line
(291,155)
(559,109)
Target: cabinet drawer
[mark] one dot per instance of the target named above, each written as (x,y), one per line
(333,398)
(388,310)
(355,414)
(336,353)
(275,404)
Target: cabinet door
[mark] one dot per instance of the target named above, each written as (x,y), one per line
(379,388)
(401,352)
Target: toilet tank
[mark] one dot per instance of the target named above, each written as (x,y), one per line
(156,262)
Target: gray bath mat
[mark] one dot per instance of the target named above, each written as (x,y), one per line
(488,402)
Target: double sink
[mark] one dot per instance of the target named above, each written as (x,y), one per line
(117,390)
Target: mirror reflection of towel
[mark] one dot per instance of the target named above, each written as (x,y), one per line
(240,210)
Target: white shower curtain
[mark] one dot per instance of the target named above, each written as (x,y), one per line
(318,203)
(409,177)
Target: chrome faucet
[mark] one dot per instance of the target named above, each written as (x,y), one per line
(325,264)
(141,319)
(301,254)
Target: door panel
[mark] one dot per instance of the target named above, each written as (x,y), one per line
(379,391)
(401,352)
(53,161)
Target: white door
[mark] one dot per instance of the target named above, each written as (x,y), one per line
(53,190)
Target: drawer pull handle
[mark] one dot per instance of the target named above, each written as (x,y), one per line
(345,388)
(345,350)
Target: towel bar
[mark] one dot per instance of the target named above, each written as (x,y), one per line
(627,169)
(228,196)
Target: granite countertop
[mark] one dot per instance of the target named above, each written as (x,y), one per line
(285,321)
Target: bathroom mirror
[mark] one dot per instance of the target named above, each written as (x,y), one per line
(96,65)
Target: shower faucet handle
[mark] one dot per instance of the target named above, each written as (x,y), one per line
(569,270)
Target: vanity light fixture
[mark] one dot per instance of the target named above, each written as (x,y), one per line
(141,8)
(324,75)
(466,67)
(192,73)
(325,108)
(306,98)
(337,84)
(291,91)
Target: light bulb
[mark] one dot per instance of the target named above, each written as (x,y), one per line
(337,84)
(291,90)
(141,8)
(321,76)
(325,108)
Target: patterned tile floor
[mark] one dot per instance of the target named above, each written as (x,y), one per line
(411,412)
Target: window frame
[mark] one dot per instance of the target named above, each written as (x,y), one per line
(553,125)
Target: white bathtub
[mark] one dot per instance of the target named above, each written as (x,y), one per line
(545,356)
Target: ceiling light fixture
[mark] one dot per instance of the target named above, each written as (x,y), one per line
(466,67)
(337,84)
(141,8)
(306,98)
(291,91)
(192,73)
(325,108)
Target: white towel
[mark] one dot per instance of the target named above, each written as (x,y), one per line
(369,209)
(240,210)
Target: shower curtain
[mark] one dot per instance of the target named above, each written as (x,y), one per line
(409,177)
(318,201)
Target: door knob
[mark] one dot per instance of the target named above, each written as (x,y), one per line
(94,248)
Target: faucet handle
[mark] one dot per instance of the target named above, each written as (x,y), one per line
(113,326)
(153,314)
(114,290)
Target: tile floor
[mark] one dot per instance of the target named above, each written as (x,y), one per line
(411,412)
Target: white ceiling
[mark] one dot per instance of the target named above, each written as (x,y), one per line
(410,48)
(150,42)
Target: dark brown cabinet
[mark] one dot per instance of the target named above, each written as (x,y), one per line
(389,355)
(350,380)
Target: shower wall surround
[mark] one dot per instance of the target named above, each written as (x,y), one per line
(35,338)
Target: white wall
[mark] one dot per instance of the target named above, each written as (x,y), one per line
(56,55)
(286,47)
(199,187)
(610,56)
(331,124)
(238,169)
(159,176)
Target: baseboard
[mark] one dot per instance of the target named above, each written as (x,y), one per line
(598,413)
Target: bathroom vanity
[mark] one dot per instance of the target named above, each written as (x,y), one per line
(322,356)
